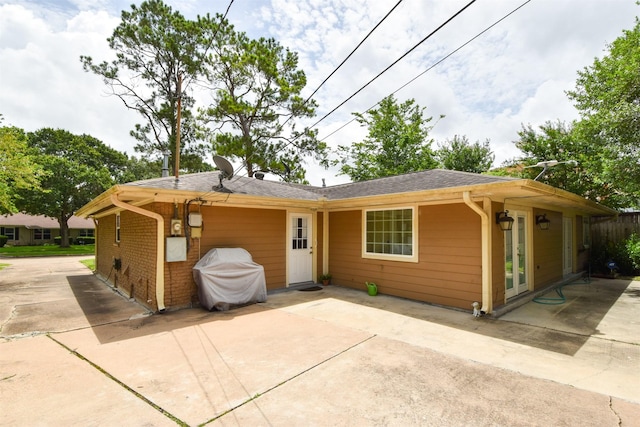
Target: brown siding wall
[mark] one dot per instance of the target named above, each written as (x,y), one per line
(262,232)
(547,250)
(449,268)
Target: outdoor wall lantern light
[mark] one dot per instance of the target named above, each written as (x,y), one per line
(504,220)
(542,222)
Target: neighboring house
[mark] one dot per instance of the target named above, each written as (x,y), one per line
(431,236)
(23,229)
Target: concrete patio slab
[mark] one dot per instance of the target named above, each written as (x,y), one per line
(57,294)
(386,382)
(197,368)
(335,356)
(42,384)
(601,308)
(555,353)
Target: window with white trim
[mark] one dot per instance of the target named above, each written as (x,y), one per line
(390,234)
(86,232)
(12,233)
(117,228)
(42,234)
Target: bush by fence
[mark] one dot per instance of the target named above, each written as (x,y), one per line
(616,240)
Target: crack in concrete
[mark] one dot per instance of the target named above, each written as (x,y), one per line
(11,316)
(322,362)
(614,411)
(120,383)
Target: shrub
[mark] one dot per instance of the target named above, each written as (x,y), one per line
(58,239)
(85,240)
(632,245)
(625,254)
(3,240)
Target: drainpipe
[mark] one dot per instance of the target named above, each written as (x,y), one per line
(487,301)
(159,247)
(95,241)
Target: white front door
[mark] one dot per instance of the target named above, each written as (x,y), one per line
(516,256)
(300,249)
(567,246)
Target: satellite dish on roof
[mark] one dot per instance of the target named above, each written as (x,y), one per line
(226,172)
(548,164)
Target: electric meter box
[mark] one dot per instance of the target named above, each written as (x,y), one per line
(176,249)
(195,219)
(176,227)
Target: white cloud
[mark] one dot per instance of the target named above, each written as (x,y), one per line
(516,73)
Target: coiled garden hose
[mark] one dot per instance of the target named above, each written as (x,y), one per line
(561,299)
(552,301)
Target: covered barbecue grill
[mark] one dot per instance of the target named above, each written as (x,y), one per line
(229,276)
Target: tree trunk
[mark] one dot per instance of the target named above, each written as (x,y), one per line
(64,232)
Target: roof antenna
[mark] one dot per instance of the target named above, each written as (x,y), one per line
(549,164)
(226,172)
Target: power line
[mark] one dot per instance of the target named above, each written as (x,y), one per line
(423,72)
(434,65)
(344,60)
(395,62)
(386,69)
(354,50)
(227,11)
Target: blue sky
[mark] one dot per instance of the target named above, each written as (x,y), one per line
(516,73)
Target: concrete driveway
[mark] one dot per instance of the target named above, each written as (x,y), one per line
(74,352)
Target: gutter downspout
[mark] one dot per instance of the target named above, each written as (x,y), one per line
(325,241)
(159,247)
(487,302)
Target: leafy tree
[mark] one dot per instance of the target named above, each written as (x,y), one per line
(18,169)
(459,154)
(78,168)
(607,95)
(256,87)
(558,141)
(159,53)
(141,168)
(398,142)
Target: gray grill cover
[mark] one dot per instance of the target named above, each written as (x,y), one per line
(229,276)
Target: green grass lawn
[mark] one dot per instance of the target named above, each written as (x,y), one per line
(52,250)
(90,263)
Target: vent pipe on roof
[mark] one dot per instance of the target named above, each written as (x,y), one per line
(259,175)
(165,164)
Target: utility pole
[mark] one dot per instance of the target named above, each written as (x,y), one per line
(177,153)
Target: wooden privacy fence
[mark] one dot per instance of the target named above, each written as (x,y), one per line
(614,230)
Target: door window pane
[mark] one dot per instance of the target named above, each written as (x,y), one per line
(299,233)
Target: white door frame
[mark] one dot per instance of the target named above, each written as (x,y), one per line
(520,254)
(567,245)
(300,242)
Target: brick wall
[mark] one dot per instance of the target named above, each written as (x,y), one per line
(259,231)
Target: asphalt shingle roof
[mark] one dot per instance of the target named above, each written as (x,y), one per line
(41,221)
(433,179)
